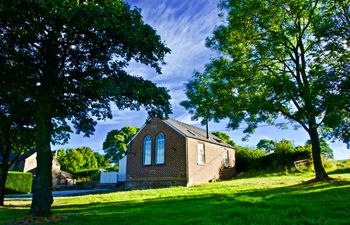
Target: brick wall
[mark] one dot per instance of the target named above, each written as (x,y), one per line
(213,169)
(172,172)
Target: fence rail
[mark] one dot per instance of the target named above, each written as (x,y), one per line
(298,164)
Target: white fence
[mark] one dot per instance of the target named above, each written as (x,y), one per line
(108,178)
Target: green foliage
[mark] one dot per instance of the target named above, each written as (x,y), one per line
(102,161)
(282,59)
(19,182)
(68,61)
(282,158)
(76,159)
(247,158)
(116,142)
(225,138)
(326,151)
(266,145)
(88,175)
(113,168)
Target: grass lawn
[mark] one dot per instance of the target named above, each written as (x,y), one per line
(285,199)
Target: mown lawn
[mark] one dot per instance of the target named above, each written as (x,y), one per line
(265,200)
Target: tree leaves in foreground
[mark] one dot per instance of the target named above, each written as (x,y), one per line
(115,144)
(279,59)
(69,58)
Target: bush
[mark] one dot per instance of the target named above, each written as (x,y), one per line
(247,158)
(113,168)
(88,175)
(19,182)
(282,159)
(85,173)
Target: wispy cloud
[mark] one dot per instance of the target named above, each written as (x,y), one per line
(183,26)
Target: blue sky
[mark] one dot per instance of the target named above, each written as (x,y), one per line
(184,26)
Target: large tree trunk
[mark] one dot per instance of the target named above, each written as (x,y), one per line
(316,154)
(42,183)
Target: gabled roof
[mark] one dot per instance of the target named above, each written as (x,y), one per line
(195,132)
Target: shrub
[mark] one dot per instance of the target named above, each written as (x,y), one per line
(19,182)
(85,173)
(88,175)
(282,159)
(113,168)
(247,158)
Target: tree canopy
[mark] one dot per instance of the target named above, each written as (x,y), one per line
(69,58)
(279,59)
(266,145)
(76,159)
(225,137)
(115,144)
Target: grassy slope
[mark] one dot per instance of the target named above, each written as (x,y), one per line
(264,200)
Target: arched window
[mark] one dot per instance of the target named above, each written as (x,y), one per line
(147,150)
(160,145)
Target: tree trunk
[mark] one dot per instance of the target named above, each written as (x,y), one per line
(316,154)
(3,177)
(42,183)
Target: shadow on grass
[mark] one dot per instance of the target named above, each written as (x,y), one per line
(317,203)
(340,171)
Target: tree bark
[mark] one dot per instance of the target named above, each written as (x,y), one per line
(42,183)
(316,153)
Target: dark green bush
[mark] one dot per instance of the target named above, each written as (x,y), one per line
(282,159)
(19,182)
(247,158)
(88,175)
(85,173)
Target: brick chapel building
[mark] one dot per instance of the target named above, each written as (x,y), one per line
(169,152)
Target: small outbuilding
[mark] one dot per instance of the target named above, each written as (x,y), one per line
(169,152)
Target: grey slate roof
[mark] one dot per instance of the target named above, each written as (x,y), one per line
(195,132)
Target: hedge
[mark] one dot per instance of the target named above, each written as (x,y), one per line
(90,174)
(19,182)
(247,159)
(86,173)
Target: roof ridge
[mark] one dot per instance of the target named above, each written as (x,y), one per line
(188,124)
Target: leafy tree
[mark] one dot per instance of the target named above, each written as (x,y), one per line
(283,147)
(102,161)
(277,62)
(116,142)
(16,137)
(266,145)
(69,57)
(14,142)
(326,151)
(225,138)
(76,159)
(334,34)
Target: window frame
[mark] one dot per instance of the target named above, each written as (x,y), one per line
(226,158)
(200,156)
(160,134)
(147,138)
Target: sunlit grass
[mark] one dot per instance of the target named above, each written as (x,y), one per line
(285,199)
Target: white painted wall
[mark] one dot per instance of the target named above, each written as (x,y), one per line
(122,170)
(108,178)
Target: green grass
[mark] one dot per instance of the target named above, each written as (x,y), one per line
(286,199)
